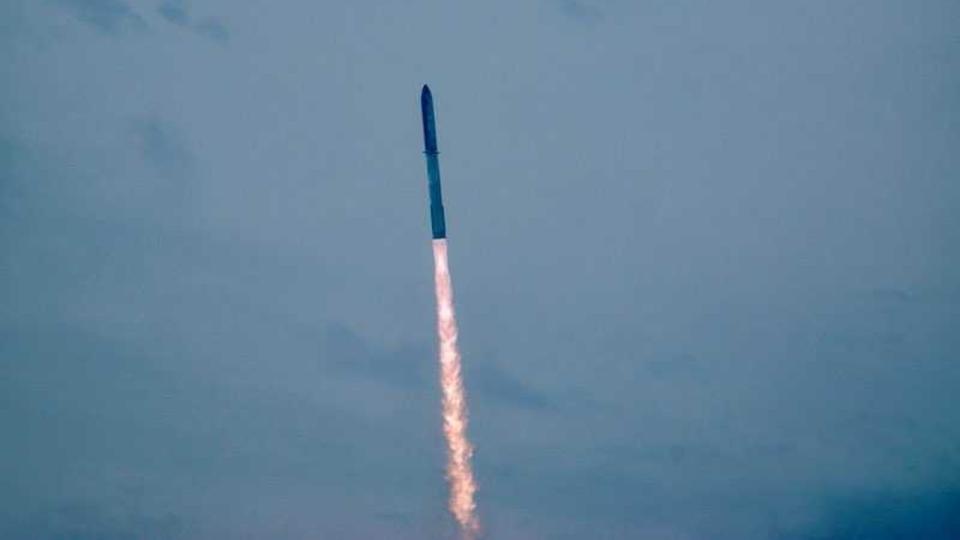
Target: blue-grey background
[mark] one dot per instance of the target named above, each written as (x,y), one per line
(706,255)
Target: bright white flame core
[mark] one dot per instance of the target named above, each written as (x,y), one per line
(459,451)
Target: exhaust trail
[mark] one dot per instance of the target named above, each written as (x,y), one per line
(459,472)
(459,451)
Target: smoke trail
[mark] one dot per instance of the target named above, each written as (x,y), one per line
(459,451)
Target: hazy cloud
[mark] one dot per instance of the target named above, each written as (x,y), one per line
(88,521)
(705,273)
(490,382)
(347,353)
(163,147)
(176,12)
(889,516)
(213,28)
(579,10)
(108,16)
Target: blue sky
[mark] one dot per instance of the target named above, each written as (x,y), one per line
(705,254)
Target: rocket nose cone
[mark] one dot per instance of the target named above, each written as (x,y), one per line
(426,98)
(429,127)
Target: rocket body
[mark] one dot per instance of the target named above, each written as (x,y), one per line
(438,224)
(454,403)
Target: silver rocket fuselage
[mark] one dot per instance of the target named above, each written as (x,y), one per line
(438,223)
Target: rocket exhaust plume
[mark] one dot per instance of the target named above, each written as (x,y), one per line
(459,451)
(459,473)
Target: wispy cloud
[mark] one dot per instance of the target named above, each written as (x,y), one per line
(579,10)
(174,12)
(87,520)
(495,383)
(163,147)
(108,16)
(177,12)
(213,29)
(344,351)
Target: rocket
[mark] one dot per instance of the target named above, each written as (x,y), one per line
(438,223)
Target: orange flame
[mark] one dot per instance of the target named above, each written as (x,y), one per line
(459,451)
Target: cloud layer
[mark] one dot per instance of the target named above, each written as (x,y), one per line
(704,257)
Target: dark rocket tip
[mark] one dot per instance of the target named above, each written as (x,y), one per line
(426,97)
(429,127)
